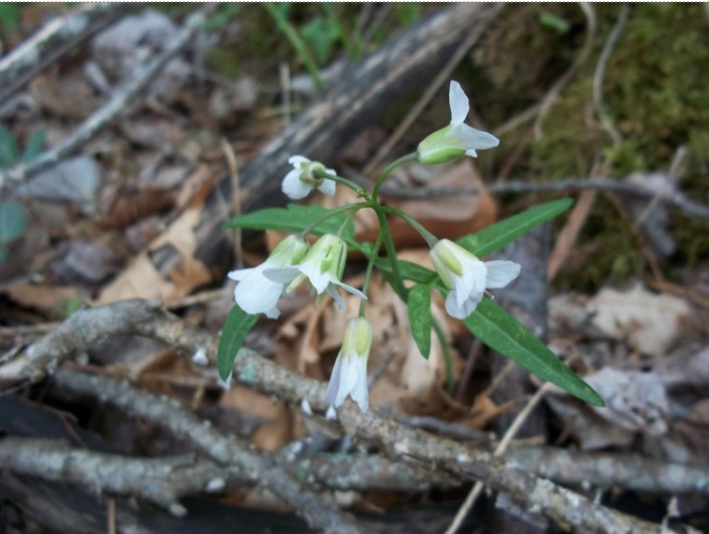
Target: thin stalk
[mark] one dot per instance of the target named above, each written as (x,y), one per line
(447,357)
(341,180)
(330,214)
(387,171)
(370,268)
(297,43)
(428,236)
(399,286)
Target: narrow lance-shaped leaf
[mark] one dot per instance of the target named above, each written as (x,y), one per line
(500,234)
(503,333)
(420,317)
(13,221)
(293,218)
(237,326)
(409,270)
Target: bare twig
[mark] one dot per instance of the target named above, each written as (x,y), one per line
(561,505)
(676,198)
(225,450)
(499,451)
(606,470)
(119,101)
(163,481)
(55,39)
(159,481)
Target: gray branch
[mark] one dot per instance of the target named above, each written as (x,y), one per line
(123,97)
(676,198)
(563,506)
(227,451)
(159,481)
(55,38)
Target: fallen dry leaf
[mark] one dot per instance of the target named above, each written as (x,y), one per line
(650,323)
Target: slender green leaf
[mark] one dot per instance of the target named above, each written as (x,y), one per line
(8,148)
(320,36)
(554,22)
(503,333)
(409,270)
(13,221)
(500,234)
(420,317)
(34,146)
(293,218)
(238,324)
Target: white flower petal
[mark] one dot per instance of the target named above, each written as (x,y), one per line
(317,279)
(334,385)
(470,152)
(360,392)
(335,295)
(459,103)
(273,313)
(350,289)
(297,160)
(471,282)
(469,137)
(282,275)
(348,377)
(327,187)
(240,274)
(257,294)
(294,187)
(500,273)
(463,310)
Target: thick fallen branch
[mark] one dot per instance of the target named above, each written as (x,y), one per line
(227,451)
(121,99)
(566,508)
(56,38)
(159,481)
(675,198)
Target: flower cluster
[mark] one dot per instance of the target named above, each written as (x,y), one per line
(293,262)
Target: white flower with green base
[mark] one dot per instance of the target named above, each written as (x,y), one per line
(255,293)
(322,267)
(457,139)
(349,376)
(306,176)
(467,277)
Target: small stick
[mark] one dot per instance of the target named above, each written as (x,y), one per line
(106,114)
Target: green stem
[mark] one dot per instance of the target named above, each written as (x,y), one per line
(447,357)
(428,236)
(330,214)
(387,171)
(399,286)
(340,180)
(370,268)
(295,40)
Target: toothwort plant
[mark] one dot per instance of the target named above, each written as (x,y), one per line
(462,278)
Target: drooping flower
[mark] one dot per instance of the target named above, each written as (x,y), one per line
(322,267)
(255,293)
(467,277)
(349,376)
(306,176)
(456,139)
